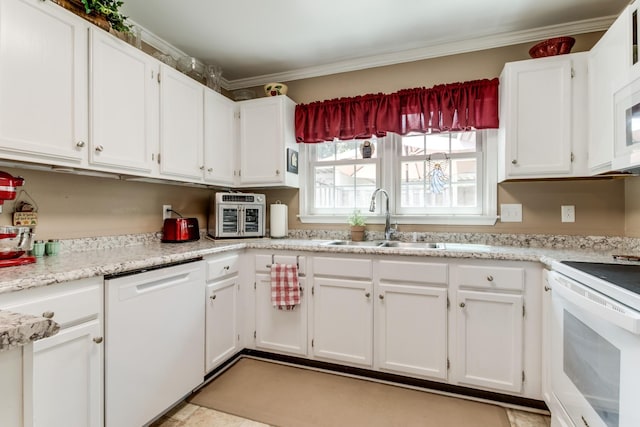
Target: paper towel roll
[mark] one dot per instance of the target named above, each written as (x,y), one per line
(278,220)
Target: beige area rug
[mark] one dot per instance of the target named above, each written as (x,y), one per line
(286,396)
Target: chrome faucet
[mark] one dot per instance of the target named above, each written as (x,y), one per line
(387,223)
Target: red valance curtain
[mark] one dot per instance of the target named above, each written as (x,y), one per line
(450,107)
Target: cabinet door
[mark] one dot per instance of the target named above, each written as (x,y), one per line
(535,118)
(279,330)
(124,106)
(67,377)
(262,141)
(11,395)
(43,83)
(219,138)
(221,321)
(489,329)
(181,125)
(343,320)
(608,67)
(411,329)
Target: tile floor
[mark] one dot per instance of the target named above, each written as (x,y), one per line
(188,415)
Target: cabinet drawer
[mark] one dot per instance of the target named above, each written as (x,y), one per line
(221,266)
(426,272)
(263,262)
(69,303)
(357,268)
(491,277)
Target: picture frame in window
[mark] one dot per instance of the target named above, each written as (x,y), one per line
(292,160)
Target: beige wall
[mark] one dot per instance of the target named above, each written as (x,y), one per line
(79,206)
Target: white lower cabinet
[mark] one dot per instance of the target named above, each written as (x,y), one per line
(11,413)
(411,318)
(63,375)
(281,331)
(221,317)
(343,310)
(495,337)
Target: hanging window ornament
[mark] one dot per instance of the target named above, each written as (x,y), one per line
(367,149)
(438,177)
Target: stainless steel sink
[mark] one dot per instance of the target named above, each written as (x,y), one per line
(387,244)
(369,244)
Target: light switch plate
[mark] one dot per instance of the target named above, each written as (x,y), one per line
(511,212)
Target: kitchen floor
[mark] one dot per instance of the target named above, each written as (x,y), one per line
(189,415)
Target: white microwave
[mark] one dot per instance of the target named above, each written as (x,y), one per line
(626,123)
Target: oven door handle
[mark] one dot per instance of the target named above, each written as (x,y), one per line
(596,303)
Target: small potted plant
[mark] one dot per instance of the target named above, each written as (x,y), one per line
(103,13)
(357,222)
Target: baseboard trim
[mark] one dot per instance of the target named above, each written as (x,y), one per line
(500,398)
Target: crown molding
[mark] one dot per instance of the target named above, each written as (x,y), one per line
(431,51)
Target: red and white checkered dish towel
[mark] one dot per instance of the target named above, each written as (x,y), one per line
(285,290)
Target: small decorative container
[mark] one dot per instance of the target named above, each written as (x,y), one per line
(275,89)
(38,248)
(52,247)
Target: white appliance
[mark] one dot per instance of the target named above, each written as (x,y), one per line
(154,341)
(237,215)
(595,344)
(627,127)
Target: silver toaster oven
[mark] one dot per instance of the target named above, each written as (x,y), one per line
(234,215)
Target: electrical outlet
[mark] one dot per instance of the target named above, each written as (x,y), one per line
(511,212)
(166,212)
(568,213)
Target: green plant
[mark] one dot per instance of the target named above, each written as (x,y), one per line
(357,219)
(110,10)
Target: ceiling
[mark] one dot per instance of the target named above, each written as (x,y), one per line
(257,41)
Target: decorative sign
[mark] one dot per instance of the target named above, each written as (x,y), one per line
(25,219)
(292,161)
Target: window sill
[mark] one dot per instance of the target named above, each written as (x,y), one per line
(405,219)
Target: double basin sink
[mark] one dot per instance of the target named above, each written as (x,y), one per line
(409,245)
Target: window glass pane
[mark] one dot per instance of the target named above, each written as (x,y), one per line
(365,184)
(464,182)
(324,187)
(438,182)
(325,151)
(463,142)
(413,145)
(437,143)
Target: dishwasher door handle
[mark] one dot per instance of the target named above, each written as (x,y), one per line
(138,288)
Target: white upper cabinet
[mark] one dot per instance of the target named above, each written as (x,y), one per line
(543,109)
(609,62)
(266,131)
(43,83)
(181,126)
(220,139)
(124,106)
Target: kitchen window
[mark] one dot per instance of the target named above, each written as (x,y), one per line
(439,178)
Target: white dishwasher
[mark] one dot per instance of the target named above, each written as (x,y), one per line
(154,341)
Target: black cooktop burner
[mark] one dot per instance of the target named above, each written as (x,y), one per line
(626,276)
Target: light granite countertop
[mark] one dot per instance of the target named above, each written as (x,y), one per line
(17,329)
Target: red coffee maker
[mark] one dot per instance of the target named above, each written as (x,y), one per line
(14,241)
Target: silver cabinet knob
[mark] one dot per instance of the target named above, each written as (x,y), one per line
(226,268)
(490,278)
(97,340)
(212,297)
(367,294)
(202,167)
(547,288)
(514,162)
(277,171)
(381,296)
(80,144)
(48,314)
(462,304)
(99,148)
(210,170)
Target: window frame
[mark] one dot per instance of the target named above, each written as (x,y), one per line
(387,167)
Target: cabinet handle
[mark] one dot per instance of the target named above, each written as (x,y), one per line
(80,144)
(546,288)
(367,295)
(226,268)
(514,162)
(202,167)
(381,296)
(97,340)
(210,170)
(277,171)
(99,148)
(48,314)
(490,278)
(462,304)
(213,297)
